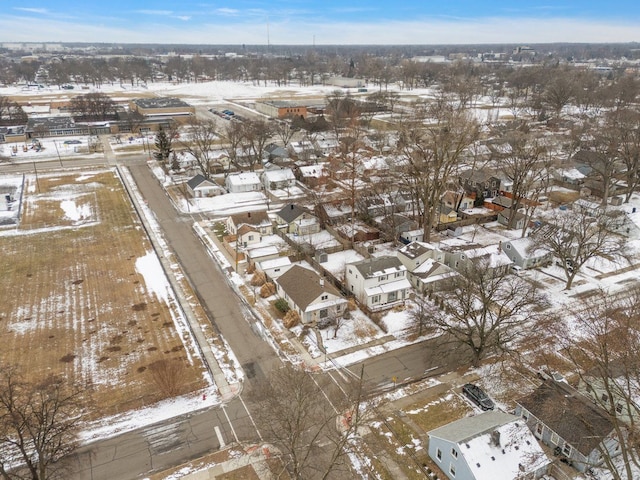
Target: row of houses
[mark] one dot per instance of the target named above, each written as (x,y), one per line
(380,282)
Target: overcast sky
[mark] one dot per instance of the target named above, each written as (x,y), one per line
(326,22)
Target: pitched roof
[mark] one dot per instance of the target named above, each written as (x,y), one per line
(495,445)
(416,249)
(573,416)
(290,212)
(304,286)
(374,266)
(197,181)
(251,218)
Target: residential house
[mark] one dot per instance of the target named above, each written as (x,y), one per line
(425,268)
(243,182)
(296,219)
(457,201)
(505,215)
(199,187)
(276,154)
(570,423)
(525,255)
(248,235)
(491,446)
(484,183)
(312,175)
(278,179)
(309,295)
(259,220)
(615,388)
(458,254)
(378,282)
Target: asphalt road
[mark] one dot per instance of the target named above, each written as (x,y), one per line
(155,447)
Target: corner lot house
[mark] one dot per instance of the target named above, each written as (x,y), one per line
(200,187)
(490,446)
(378,282)
(307,293)
(569,423)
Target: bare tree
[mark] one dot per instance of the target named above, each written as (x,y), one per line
(433,145)
(522,158)
(200,142)
(606,362)
(487,309)
(11,113)
(39,423)
(626,124)
(578,235)
(233,135)
(257,134)
(294,413)
(93,106)
(284,131)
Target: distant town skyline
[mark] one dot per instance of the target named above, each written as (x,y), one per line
(302,22)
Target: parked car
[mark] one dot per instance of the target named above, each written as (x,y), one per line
(478,396)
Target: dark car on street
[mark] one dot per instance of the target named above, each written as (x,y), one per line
(478,396)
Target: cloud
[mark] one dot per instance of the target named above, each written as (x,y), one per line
(163,13)
(231,12)
(183,17)
(42,11)
(251,30)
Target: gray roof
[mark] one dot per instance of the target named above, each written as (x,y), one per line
(303,286)
(160,102)
(570,414)
(197,180)
(470,427)
(290,212)
(52,123)
(415,249)
(370,266)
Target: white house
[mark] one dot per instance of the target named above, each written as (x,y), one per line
(307,293)
(491,446)
(243,182)
(378,282)
(199,186)
(525,255)
(278,179)
(259,220)
(293,218)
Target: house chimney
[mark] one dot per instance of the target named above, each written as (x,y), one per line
(495,438)
(322,282)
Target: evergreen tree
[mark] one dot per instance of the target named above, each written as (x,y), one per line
(163,146)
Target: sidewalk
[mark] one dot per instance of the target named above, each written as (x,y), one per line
(226,390)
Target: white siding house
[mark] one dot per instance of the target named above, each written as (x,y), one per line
(378,282)
(243,182)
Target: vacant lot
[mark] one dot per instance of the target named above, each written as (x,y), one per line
(83,295)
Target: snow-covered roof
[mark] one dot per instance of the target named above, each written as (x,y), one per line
(316,171)
(388,287)
(274,263)
(279,175)
(244,178)
(495,445)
